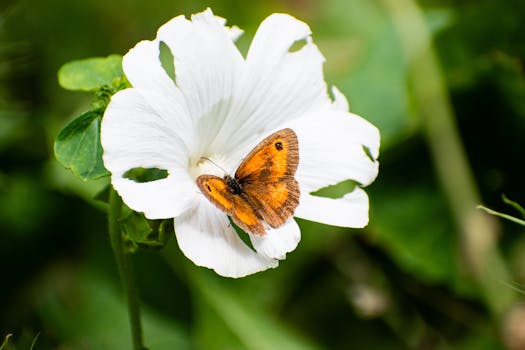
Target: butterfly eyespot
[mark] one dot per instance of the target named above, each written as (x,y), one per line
(208,188)
(279,146)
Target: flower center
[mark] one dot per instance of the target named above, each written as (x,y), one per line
(209,165)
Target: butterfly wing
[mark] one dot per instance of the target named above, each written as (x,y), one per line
(217,191)
(267,177)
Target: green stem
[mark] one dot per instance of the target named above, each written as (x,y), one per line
(502,215)
(125,268)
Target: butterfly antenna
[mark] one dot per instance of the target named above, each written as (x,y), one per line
(217,165)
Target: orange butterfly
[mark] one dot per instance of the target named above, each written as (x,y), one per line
(264,189)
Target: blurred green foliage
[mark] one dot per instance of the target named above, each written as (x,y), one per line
(400,283)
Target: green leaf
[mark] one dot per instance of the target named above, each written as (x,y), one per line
(77,146)
(103,194)
(166,230)
(167,60)
(144,233)
(146,174)
(136,227)
(91,74)
(336,191)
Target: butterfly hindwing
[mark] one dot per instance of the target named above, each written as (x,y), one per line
(278,202)
(216,189)
(246,217)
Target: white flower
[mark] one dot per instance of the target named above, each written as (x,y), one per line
(220,106)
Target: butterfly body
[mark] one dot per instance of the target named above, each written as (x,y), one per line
(263,191)
(235,186)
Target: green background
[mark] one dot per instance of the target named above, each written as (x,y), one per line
(403,282)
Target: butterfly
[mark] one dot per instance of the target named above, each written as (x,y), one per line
(263,191)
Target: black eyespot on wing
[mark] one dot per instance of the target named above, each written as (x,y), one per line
(208,187)
(279,146)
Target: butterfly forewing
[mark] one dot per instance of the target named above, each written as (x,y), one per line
(274,158)
(267,176)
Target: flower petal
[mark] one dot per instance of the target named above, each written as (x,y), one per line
(351,210)
(234,32)
(340,102)
(132,131)
(277,85)
(277,242)
(207,65)
(145,73)
(160,199)
(133,135)
(206,237)
(331,149)
(274,37)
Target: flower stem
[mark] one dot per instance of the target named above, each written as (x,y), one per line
(125,268)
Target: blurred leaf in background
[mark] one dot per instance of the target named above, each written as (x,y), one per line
(86,312)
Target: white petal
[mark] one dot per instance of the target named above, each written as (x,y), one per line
(206,60)
(145,73)
(340,102)
(206,237)
(274,37)
(277,85)
(331,149)
(349,211)
(160,199)
(277,242)
(234,32)
(133,132)
(133,135)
